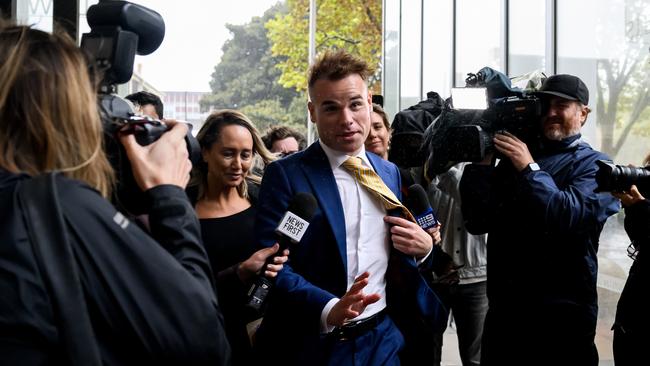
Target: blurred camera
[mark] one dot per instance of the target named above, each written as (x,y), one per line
(118,31)
(617,178)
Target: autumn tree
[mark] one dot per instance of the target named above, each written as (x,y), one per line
(623,85)
(354,25)
(246,78)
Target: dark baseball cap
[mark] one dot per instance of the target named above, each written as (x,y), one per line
(567,87)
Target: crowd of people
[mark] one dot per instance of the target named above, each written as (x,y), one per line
(357,289)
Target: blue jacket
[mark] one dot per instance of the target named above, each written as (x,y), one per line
(543,229)
(316,271)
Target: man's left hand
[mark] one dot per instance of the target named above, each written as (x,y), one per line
(513,148)
(408,237)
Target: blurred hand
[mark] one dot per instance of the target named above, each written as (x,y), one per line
(409,238)
(435,234)
(163,162)
(514,149)
(629,197)
(253,265)
(353,303)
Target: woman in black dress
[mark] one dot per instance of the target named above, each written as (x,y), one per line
(226,208)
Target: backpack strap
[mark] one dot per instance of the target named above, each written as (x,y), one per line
(48,236)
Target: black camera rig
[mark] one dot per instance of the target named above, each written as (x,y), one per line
(119,31)
(460,134)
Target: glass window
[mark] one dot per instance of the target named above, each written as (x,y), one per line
(526,37)
(478,37)
(411,53)
(391,57)
(437,31)
(38,14)
(605,43)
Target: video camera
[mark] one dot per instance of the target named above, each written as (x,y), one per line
(617,178)
(470,118)
(119,31)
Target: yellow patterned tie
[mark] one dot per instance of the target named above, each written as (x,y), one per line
(373,183)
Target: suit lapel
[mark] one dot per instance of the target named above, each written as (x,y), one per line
(384,173)
(319,174)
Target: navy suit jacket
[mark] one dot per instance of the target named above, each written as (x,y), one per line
(317,270)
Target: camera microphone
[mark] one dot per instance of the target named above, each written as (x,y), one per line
(418,203)
(292,227)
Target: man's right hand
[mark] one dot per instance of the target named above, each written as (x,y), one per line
(165,161)
(353,303)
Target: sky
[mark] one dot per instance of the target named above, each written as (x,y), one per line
(195,31)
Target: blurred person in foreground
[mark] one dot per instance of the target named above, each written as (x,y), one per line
(146,103)
(356,270)
(226,207)
(543,221)
(632,317)
(149,298)
(284,141)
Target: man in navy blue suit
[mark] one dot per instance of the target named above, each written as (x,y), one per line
(356,271)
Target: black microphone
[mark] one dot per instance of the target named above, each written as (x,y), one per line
(418,203)
(292,227)
(444,269)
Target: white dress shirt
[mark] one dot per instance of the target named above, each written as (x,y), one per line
(366,234)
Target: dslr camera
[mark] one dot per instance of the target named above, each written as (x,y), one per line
(463,132)
(617,178)
(118,31)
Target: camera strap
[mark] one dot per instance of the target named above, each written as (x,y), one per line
(48,236)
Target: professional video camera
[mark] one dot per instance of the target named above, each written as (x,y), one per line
(617,178)
(119,30)
(470,118)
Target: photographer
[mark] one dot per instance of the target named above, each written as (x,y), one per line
(631,324)
(543,220)
(148,300)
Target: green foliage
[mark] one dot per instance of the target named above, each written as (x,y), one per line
(246,78)
(354,25)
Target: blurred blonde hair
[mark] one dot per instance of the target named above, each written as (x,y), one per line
(48,109)
(210,133)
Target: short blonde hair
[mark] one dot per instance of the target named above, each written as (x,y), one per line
(335,65)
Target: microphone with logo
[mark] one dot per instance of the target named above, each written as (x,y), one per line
(418,203)
(445,271)
(292,227)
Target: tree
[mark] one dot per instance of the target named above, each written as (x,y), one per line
(623,85)
(355,25)
(246,78)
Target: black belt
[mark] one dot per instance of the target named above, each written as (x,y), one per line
(355,329)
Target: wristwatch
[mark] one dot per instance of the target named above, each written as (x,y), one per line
(532,167)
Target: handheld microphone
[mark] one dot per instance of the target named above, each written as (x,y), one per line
(418,203)
(292,227)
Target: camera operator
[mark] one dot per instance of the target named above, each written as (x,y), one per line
(148,300)
(632,321)
(543,220)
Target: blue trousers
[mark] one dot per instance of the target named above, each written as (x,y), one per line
(378,346)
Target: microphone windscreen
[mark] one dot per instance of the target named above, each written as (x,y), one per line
(416,200)
(304,205)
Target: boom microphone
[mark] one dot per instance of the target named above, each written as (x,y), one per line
(290,230)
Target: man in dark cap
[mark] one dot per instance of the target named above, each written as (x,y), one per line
(544,220)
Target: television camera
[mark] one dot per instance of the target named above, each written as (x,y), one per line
(118,31)
(464,130)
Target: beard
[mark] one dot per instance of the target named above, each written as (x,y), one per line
(558,132)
